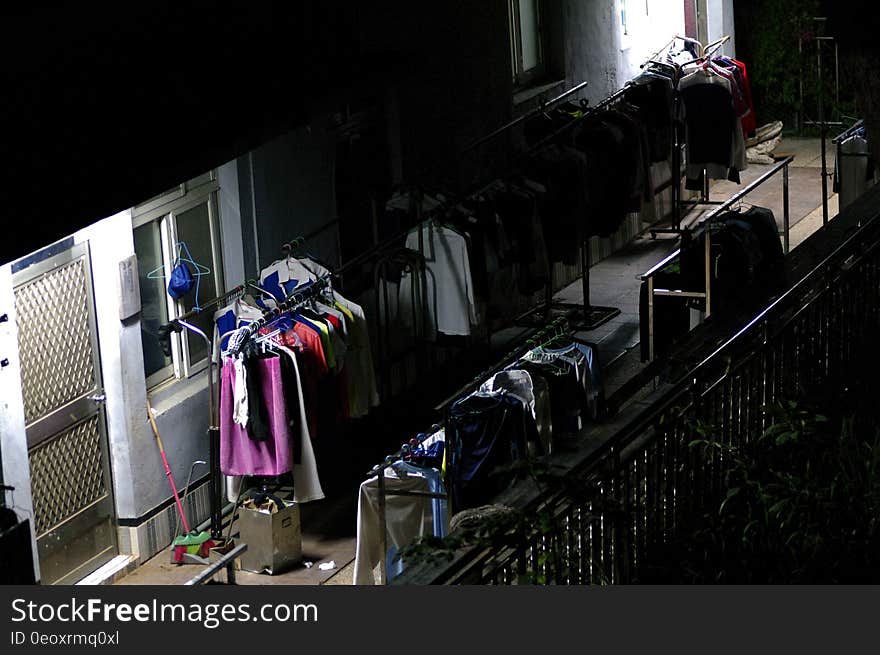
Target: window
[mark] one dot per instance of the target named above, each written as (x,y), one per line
(186,214)
(527,51)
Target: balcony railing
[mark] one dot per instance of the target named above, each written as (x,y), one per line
(624,496)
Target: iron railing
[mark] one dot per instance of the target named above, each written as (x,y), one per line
(630,489)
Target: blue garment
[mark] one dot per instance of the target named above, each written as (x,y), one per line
(227,323)
(485,431)
(270,283)
(293,285)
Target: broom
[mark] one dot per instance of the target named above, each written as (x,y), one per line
(190,543)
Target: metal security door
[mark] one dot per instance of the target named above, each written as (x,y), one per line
(64,414)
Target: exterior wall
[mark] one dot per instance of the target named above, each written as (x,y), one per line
(139,483)
(13,440)
(231,235)
(181,411)
(719,20)
(294,193)
(598,51)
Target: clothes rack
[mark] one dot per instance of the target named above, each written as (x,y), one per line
(557,327)
(292,303)
(384,492)
(230,295)
(176,325)
(519,119)
(182,322)
(590,316)
(705,199)
(707,224)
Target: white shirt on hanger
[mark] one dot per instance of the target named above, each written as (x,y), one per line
(449,288)
(306,483)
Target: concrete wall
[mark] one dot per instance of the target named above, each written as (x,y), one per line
(231,230)
(181,408)
(13,440)
(597,49)
(122,367)
(719,20)
(293,192)
(139,481)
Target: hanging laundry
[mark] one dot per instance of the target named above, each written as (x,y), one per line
(714,134)
(450,291)
(406,517)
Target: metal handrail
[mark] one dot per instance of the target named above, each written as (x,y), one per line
(660,265)
(747,190)
(519,119)
(704,225)
(227,561)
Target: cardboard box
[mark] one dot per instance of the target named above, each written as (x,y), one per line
(274,540)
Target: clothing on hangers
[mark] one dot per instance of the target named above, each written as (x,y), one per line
(713,131)
(738,69)
(226,320)
(564,171)
(298,360)
(534,394)
(654,93)
(406,518)
(450,290)
(485,432)
(240,453)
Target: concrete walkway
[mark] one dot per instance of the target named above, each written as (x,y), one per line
(615,280)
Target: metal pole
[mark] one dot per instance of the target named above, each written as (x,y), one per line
(216,487)
(785,210)
(708,271)
(383,529)
(676,162)
(823,132)
(651,319)
(837,79)
(800,112)
(585,277)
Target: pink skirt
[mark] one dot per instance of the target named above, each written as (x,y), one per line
(241,455)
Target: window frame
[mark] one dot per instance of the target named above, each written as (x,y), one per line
(525,78)
(164,210)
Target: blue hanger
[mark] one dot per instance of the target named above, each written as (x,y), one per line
(158,273)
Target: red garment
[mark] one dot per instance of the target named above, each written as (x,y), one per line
(314,370)
(749,121)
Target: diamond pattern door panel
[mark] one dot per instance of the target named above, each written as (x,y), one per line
(66,429)
(67,474)
(57,361)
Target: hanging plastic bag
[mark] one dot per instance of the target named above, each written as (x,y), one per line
(181,282)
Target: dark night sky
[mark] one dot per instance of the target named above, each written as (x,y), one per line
(105,105)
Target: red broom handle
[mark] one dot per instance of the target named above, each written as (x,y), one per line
(167,468)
